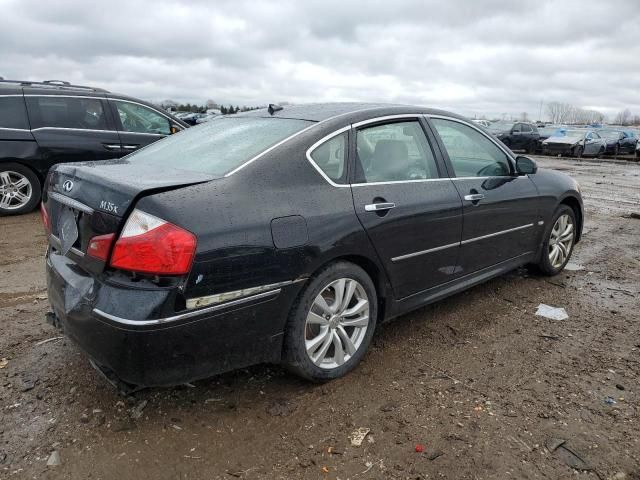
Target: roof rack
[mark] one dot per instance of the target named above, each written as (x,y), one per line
(52,84)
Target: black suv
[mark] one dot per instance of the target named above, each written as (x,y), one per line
(44,123)
(516,135)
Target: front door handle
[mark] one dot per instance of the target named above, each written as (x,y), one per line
(474,197)
(112,146)
(379,207)
(130,147)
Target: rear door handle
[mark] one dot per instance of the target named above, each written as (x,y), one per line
(378,207)
(112,146)
(130,147)
(474,197)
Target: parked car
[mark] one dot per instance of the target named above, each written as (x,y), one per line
(484,123)
(516,136)
(288,236)
(619,141)
(191,118)
(546,132)
(206,117)
(44,123)
(575,143)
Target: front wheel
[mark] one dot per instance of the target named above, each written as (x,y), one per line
(19,189)
(578,151)
(331,324)
(560,239)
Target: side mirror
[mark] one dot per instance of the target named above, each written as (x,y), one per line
(526,165)
(174,129)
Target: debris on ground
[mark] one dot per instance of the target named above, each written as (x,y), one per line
(419,448)
(552,313)
(609,401)
(357,436)
(136,412)
(281,408)
(633,215)
(566,454)
(54,459)
(573,267)
(52,339)
(4,362)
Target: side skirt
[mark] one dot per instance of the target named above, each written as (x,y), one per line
(420,299)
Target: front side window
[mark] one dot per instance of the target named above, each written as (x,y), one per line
(13,113)
(330,157)
(68,112)
(526,128)
(471,153)
(517,128)
(140,119)
(394,152)
(220,145)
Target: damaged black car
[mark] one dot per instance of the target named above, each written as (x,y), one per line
(287,235)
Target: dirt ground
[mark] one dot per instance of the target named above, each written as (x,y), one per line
(482,383)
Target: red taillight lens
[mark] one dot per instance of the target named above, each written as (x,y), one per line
(45,219)
(99,246)
(148,244)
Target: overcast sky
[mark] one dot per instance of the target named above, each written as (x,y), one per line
(473,57)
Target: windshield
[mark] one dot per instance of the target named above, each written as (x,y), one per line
(220,145)
(570,133)
(500,127)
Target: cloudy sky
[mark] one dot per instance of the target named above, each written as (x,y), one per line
(474,57)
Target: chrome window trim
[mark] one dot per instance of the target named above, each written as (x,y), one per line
(459,244)
(508,153)
(70,202)
(387,117)
(186,315)
(11,95)
(324,139)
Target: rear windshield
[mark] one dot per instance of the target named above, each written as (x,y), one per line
(220,145)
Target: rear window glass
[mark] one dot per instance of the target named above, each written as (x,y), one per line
(13,113)
(220,145)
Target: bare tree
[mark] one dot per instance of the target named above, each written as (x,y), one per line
(623,117)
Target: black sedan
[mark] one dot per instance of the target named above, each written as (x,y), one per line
(619,141)
(517,136)
(287,235)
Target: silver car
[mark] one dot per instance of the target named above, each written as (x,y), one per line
(575,143)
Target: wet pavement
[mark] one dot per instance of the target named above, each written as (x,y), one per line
(484,387)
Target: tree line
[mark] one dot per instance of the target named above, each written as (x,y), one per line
(209,105)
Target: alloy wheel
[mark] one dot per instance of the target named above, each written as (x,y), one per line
(561,240)
(337,323)
(15,190)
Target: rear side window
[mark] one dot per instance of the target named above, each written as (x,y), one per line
(67,112)
(394,152)
(330,157)
(13,113)
(140,119)
(220,145)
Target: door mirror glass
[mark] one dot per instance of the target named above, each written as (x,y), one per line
(526,165)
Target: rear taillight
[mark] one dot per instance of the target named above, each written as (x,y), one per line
(99,246)
(45,219)
(148,244)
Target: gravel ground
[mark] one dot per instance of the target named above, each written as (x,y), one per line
(486,387)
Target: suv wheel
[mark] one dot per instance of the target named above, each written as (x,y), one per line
(331,324)
(20,189)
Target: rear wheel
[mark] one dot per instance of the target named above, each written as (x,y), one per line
(19,189)
(331,324)
(559,241)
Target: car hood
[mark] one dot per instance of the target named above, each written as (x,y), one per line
(563,140)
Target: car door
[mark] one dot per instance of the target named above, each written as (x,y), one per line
(139,125)
(404,200)
(72,128)
(592,143)
(500,208)
(517,137)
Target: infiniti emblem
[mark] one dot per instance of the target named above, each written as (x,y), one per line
(67,186)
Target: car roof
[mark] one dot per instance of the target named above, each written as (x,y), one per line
(347,111)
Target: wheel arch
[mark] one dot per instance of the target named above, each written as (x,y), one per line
(574,204)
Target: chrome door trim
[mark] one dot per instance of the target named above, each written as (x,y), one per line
(15,129)
(424,252)
(495,234)
(217,298)
(70,202)
(457,244)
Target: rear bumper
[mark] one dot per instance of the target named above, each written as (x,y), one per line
(145,350)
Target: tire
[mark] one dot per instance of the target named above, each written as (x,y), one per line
(577,151)
(306,328)
(20,189)
(531,148)
(616,152)
(547,264)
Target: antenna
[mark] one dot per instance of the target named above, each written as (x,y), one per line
(273,107)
